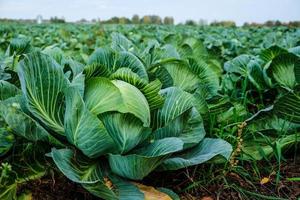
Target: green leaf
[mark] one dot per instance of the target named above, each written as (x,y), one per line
(118,96)
(100,63)
(182,76)
(142,161)
(272,52)
(101,95)
(270,122)
(260,148)
(126,130)
(288,106)
(55,53)
(104,61)
(93,176)
(28,163)
(134,101)
(206,74)
(120,42)
(193,131)
(285,69)
(127,75)
(8,192)
(7,90)
(164,77)
(74,66)
(295,50)
(200,96)
(20,45)
(150,90)
(176,103)
(21,123)
(247,66)
(178,118)
(43,81)
(7,140)
(77,168)
(84,129)
(118,189)
(196,46)
(78,82)
(129,60)
(201,153)
(187,127)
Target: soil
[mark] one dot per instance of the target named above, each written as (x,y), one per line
(60,188)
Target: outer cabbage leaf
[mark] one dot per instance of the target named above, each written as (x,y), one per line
(204,151)
(7,140)
(43,81)
(248,67)
(140,162)
(22,124)
(285,69)
(126,130)
(83,129)
(94,176)
(104,61)
(7,90)
(288,106)
(178,118)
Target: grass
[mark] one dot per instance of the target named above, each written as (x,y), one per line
(243,179)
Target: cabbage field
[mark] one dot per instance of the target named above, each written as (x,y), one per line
(136,112)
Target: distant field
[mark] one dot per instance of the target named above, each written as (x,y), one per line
(203,111)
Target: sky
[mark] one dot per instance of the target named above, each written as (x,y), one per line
(239,11)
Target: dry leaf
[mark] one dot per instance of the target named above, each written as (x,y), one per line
(108,183)
(264,180)
(151,193)
(207,198)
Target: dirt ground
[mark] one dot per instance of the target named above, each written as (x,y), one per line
(60,188)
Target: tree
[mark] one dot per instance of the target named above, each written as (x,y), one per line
(114,20)
(124,20)
(155,19)
(146,19)
(168,20)
(57,20)
(135,19)
(190,22)
(223,23)
(270,23)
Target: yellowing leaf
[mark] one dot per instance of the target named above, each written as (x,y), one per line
(151,193)
(207,198)
(264,180)
(25,196)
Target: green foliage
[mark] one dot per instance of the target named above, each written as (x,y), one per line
(113,104)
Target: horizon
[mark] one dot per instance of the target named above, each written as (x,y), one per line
(239,11)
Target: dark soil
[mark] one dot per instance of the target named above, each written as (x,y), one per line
(56,188)
(230,185)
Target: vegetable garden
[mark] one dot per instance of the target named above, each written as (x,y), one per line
(120,110)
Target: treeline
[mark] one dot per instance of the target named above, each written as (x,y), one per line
(227,23)
(136,19)
(271,23)
(155,19)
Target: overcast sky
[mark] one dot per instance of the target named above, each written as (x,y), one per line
(237,10)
